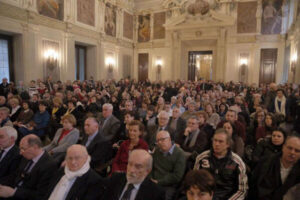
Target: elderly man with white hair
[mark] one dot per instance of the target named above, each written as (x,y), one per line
(109,124)
(135,184)
(9,152)
(163,124)
(4,117)
(74,180)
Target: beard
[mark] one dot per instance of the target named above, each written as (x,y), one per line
(133,178)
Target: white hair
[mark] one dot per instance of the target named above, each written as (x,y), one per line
(161,113)
(10,131)
(108,105)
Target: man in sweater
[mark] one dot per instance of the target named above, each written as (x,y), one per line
(168,164)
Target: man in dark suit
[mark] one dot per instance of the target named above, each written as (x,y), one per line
(97,146)
(9,152)
(178,124)
(163,124)
(4,87)
(75,179)
(30,181)
(134,184)
(109,124)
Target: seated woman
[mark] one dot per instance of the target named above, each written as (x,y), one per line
(136,129)
(267,129)
(57,112)
(269,145)
(213,117)
(75,111)
(64,138)
(25,115)
(39,123)
(15,109)
(198,184)
(237,144)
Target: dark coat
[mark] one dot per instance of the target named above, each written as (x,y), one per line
(10,162)
(151,134)
(110,129)
(147,190)
(266,179)
(36,183)
(180,127)
(15,115)
(99,149)
(81,187)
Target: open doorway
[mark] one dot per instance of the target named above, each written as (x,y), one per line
(200,65)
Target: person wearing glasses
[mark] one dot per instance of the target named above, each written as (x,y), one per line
(76,179)
(168,164)
(31,179)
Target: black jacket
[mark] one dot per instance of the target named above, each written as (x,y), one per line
(10,162)
(229,173)
(266,179)
(99,149)
(36,183)
(80,188)
(147,190)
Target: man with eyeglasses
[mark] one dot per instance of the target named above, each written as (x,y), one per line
(76,179)
(152,130)
(30,181)
(168,164)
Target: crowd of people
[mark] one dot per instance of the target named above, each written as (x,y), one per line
(171,140)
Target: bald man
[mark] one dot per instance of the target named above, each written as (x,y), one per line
(31,179)
(76,178)
(168,164)
(134,185)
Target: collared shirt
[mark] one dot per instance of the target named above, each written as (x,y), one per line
(284,172)
(171,150)
(174,123)
(35,160)
(6,150)
(90,139)
(133,192)
(105,121)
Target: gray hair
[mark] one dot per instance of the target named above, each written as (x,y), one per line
(108,105)
(163,113)
(5,109)
(10,131)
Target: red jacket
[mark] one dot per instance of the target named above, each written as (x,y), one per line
(121,159)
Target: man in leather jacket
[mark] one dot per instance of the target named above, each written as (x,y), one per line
(227,168)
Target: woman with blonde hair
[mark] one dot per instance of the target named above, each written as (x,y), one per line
(64,138)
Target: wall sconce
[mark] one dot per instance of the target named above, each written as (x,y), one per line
(51,57)
(243,61)
(243,65)
(293,65)
(158,68)
(110,62)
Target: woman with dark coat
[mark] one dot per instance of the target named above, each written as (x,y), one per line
(269,146)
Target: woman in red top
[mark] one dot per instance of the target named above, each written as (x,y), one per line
(136,129)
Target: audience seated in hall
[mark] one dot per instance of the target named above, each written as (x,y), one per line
(260,129)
